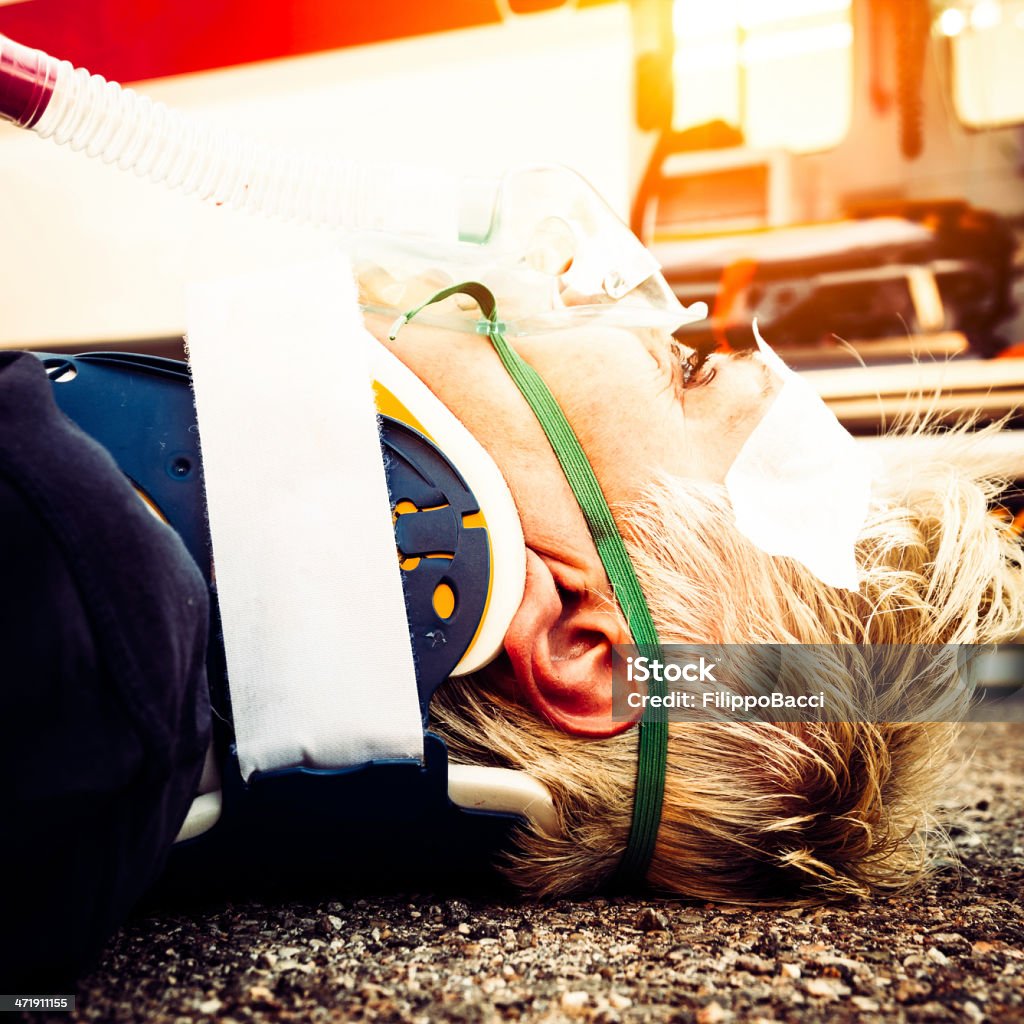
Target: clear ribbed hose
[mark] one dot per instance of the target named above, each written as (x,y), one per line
(118,125)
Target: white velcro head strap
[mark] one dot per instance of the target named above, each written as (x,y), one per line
(320,666)
(800,486)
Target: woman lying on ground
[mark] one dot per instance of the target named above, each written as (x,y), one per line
(748,517)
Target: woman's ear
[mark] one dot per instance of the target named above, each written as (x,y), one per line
(560,647)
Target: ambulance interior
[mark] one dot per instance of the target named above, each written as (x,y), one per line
(852,175)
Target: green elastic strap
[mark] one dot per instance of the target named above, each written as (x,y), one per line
(652,753)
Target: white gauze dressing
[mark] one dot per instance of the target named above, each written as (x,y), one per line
(320,666)
(801,485)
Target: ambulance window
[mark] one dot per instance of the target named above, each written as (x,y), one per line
(780,70)
(987,42)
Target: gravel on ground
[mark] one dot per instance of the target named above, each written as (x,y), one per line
(951,950)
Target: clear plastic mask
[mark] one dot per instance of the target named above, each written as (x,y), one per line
(548,247)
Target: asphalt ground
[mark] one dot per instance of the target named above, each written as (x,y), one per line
(951,950)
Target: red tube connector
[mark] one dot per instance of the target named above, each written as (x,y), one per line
(27,78)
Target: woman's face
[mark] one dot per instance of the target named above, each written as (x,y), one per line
(623,394)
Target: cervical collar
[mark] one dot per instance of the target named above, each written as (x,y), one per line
(400,395)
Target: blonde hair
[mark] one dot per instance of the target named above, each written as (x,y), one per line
(773,812)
